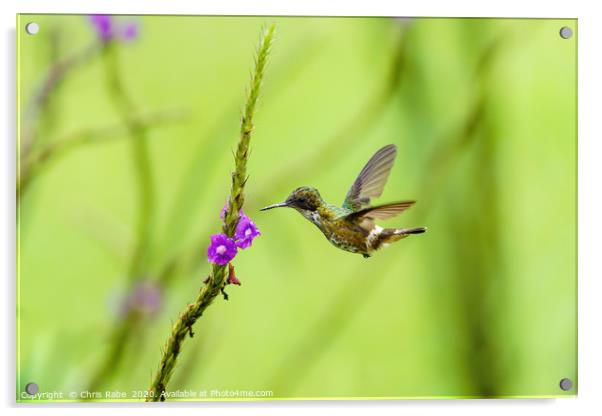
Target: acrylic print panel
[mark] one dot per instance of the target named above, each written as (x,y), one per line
(148,146)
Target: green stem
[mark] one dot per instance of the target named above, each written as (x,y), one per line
(146,207)
(141,159)
(216,280)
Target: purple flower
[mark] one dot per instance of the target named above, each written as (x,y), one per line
(246,231)
(221,250)
(145,297)
(129,31)
(104,26)
(222,213)
(107,28)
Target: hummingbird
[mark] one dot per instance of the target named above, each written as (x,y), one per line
(352,226)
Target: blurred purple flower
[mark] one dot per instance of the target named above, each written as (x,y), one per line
(221,250)
(146,297)
(246,231)
(103,24)
(129,31)
(107,28)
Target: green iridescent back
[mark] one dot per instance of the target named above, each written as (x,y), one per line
(338,212)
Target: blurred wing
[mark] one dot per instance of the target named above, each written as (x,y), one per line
(382,212)
(372,179)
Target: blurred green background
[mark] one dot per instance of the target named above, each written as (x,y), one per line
(483,112)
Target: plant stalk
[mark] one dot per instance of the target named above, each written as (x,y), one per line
(216,279)
(146,207)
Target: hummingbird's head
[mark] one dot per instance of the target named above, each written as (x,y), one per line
(304,199)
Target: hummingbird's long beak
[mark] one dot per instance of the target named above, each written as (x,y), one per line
(281,204)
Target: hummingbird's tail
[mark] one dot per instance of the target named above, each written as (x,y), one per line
(406,231)
(391,235)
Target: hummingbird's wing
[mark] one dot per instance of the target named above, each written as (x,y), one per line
(381,212)
(372,179)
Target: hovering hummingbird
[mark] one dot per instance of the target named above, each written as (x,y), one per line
(352,227)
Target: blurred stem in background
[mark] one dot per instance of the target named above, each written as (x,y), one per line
(38,120)
(141,159)
(38,160)
(355,293)
(42,111)
(216,280)
(476,256)
(146,207)
(37,109)
(36,154)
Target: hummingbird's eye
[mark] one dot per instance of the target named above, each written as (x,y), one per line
(304,203)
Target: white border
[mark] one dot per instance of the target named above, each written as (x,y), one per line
(590,207)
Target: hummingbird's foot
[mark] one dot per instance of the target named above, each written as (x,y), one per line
(224,292)
(366,255)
